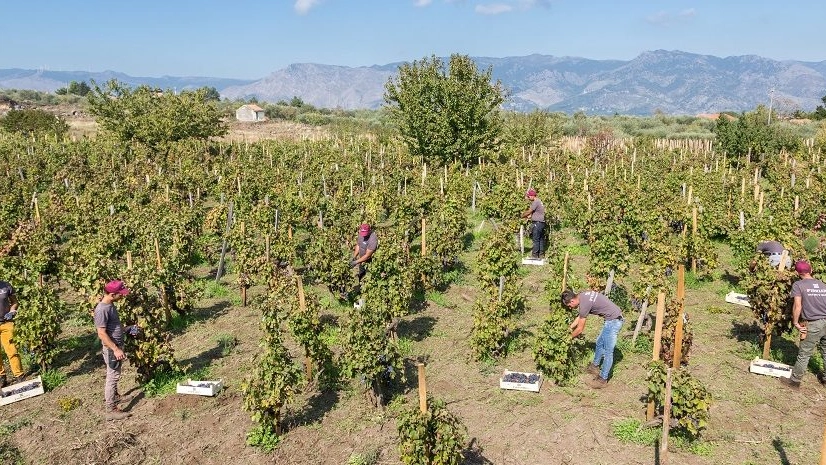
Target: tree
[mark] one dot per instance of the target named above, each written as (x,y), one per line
(34,122)
(211,94)
(820,111)
(152,117)
(74,88)
(446,115)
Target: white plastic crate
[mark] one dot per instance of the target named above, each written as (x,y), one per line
(532,387)
(767,367)
(200,388)
(739,299)
(9,398)
(533,261)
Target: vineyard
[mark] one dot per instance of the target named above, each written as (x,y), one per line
(237,256)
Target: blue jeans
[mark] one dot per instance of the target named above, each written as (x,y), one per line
(606,342)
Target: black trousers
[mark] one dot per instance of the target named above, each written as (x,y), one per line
(538,238)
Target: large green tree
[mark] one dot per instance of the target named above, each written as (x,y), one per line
(34,121)
(446,114)
(154,117)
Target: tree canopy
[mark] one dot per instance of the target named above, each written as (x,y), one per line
(154,117)
(446,114)
(34,121)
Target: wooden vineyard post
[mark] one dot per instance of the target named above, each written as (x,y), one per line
(658,335)
(678,331)
(424,246)
(666,420)
(565,272)
(610,283)
(501,287)
(36,209)
(422,389)
(224,245)
(267,247)
(302,305)
(522,239)
(694,237)
(640,318)
(128,259)
(158,255)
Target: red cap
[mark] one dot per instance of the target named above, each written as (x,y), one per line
(802,266)
(530,192)
(364,230)
(116,287)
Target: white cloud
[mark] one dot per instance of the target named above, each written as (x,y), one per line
(493,8)
(422,2)
(303,6)
(665,18)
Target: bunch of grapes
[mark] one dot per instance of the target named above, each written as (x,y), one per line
(22,389)
(521,378)
(775,367)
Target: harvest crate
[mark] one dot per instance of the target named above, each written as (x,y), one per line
(200,388)
(532,387)
(533,261)
(739,299)
(767,367)
(9,398)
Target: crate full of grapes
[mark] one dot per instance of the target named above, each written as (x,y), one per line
(767,367)
(20,391)
(520,381)
(200,388)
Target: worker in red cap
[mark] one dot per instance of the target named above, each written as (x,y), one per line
(536,213)
(366,244)
(809,317)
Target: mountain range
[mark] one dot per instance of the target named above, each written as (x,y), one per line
(671,82)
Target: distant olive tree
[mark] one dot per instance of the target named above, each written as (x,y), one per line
(74,88)
(446,114)
(153,117)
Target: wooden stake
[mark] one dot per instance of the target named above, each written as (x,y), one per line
(158,254)
(565,272)
(36,210)
(424,245)
(267,247)
(658,338)
(422,389)
(641,317)
(666,420)
(128,259)
(694,236)
(678,331)
(522,239)
(501,287)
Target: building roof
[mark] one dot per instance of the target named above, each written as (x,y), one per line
(252,107)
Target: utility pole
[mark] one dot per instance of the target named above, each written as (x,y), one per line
(771,102)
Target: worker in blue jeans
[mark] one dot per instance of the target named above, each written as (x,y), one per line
(594,303)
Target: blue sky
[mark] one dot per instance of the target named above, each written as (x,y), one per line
(252,38)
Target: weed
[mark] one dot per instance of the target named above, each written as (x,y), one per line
(10,454)
(52,379)
(182,414)
(715,310)
(263,438)
(438,298)
(405,346)
(215,290)
(7,429)
(369,457)
(227,343)
(631,430)
(696,447)
(578,250)
(165,382)
(643,345)
(67,404)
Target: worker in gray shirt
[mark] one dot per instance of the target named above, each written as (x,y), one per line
(536,213)
(809,317)
(594,303)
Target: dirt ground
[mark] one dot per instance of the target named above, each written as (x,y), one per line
(754,420)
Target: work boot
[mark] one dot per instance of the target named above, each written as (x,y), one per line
(790,382)
(597,382)
(592,369)
(117,414)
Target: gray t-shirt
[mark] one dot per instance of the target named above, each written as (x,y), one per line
(370,242)
(769,247)
(594,303)
(106,316)
(537,210)
(6,291)
(813,295)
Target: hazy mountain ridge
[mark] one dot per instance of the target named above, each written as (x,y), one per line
(673,82)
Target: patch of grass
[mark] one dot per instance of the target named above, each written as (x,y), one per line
(215,290)
(182,414)
(582,250)
(52,379)
(79,320)
(696,447)
(227,343)
(10,454)
(11,427)
(717,310)
(487,366)
(165,382)
(369,457)
(438,298)
(631,430)
(455,276)
(643,345)
(405,346)
(695,281)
